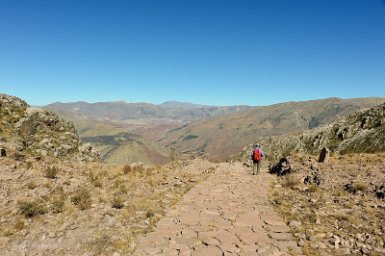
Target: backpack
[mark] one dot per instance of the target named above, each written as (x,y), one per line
(257,155)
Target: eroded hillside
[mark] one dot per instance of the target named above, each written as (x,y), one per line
(220,137)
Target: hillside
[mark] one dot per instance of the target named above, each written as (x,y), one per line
(220,137)
(126,132)
(27,132)
(360,132)
(54,201)
(117,144)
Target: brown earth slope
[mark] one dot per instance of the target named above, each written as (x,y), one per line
(222,136)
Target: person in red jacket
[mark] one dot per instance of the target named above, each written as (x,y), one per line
(256,156)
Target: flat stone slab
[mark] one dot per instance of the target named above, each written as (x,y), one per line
(228,214)
(277,229)
(281,236)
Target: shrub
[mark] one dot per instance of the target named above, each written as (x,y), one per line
(31,185)
(31,209)
(19,225)
(96,179)
(290,182)
(127,169)
(100,244)
(123,189)
(57,205)
(51,172)
(192,136)
(29,165)
(59,190)
(82,199)
(150,214)
(117,202)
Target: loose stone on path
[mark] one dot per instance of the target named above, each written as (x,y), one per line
(228,214)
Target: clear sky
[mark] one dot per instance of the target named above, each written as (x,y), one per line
(217,52)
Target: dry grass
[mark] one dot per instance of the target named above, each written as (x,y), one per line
(290,181)
(134,202)
(331,209)
(82,198)
(57,205)
(51,172)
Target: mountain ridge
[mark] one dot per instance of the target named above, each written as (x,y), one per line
(213,132)
(219,137)
(184,111)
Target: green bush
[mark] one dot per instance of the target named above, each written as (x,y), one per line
(190,137)
(150,214)
(31,209)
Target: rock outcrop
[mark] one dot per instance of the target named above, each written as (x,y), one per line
(38,133)
(362,132)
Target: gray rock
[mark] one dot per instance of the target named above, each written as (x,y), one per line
(109,221)
(295,224)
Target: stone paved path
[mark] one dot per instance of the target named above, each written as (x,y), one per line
(228,214)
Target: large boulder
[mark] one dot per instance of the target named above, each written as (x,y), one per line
(282,167)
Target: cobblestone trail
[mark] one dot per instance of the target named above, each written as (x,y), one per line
(228,214)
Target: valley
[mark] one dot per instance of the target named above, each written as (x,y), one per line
(137,132)
(68,194)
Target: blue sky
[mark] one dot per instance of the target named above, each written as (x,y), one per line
(217,52)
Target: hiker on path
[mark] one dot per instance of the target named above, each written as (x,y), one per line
(256,156)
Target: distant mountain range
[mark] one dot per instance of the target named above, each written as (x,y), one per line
(127,132)
(145,132)
(123,111)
